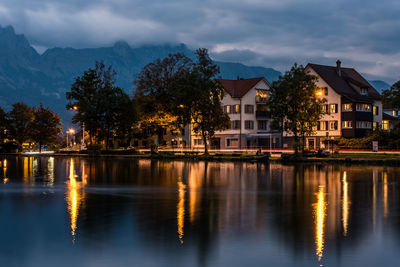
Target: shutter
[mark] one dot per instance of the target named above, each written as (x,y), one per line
(326,125)
(318,125)
(377,110)
(336,108)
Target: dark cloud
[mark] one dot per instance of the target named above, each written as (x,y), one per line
(272,33)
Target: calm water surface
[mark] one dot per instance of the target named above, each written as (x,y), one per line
(124,212)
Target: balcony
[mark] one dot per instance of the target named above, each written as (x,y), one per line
(261,114)
(261,100)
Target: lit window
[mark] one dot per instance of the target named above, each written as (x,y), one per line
(363,107)
(385,125)
(374,125)
(375,110)
(261,95)
(236,108)
(323,125)
(347,124)
(347,107)
(333,108)
(228,109)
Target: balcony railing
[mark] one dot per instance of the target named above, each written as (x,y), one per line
(261,114)
(261,99)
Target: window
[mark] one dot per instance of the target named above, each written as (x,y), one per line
(249,125)
(262,125)
(333,108)
(333,125)
(323,126)
(235,124)
(236,108)
(363,107)
(385,125)
(232,142)
(347,124)
(347,107)
(198,142)
(261,95)
(363,125)
(375,110)
(374,125)
(325,108)
(228,109)
(364,91)
(249,109)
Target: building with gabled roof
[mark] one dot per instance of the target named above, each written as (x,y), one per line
(353,106)
(245,103)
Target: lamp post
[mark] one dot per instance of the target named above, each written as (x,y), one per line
(70,131)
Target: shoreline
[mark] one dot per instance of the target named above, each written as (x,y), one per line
(363,159)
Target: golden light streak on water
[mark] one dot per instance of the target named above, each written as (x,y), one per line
(385,196)
(5,180)
(374,182)
(74,198)
(181,210)
(320,216)
(345,204)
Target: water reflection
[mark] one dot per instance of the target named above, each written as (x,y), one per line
(75,197)
(226,214)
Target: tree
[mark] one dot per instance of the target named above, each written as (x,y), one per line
(97,101)
(204,99)
(3,125)
(20,120)
(45,127)
(293,104)
(391,97)
(159,88)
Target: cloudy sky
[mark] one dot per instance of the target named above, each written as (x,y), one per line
(364,34)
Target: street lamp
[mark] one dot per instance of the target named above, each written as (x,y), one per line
(71,132)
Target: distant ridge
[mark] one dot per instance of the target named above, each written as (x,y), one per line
(32,78)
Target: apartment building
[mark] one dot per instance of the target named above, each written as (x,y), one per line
(353,106)
(245,103)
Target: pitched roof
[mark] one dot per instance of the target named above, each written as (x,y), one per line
(341,84)
(238,88)
(388,117)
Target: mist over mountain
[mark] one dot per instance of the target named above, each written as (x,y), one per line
(32,78)
(26,76)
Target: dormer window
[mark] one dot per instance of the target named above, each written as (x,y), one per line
(364,91)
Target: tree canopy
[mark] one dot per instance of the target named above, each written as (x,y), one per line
(20,120)
(391,97)
(293,104)
(99,103)
(45,127)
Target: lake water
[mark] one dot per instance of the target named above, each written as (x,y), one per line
(125,212)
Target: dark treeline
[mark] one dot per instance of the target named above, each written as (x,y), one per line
(169,94)
(24,124)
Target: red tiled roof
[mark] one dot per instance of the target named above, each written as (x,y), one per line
(238,88)
(341,84)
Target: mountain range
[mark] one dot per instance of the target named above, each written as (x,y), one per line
(33,78)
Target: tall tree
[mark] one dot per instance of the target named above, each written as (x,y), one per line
(20,122)
(204,99)
(157,92)
(96,100)
(391,97)
(294,105)
(45,127)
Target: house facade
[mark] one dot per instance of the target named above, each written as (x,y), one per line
(245,103)
(353,106)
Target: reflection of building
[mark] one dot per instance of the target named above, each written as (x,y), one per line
(353,106)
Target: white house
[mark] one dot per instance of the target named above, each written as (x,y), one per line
(245,103)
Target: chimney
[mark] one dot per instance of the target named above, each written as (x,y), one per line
(338,70)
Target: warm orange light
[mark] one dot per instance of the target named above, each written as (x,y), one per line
(71,131)
(75,108)
(181,210)
(319,93)
(319,216)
